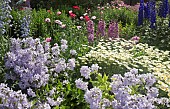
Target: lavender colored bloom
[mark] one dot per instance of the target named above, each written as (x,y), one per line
(52,91)
(71,64)
(64,47)
(90,31)
(63,42)
(12,99)
(85,71)
(73,52)
(30,92)
(30,60)
(94,67)
(105,103)
(101,28)
(93,96)
(61,66)
(81,85)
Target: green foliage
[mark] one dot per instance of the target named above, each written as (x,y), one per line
(4,46)
(123,15)
(159,37)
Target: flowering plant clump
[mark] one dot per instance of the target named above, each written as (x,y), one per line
(12,99)
(121,54)
(33,64)
(133,90)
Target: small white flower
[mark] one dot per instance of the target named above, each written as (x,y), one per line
(58,22)
(78,27)
(70,11)
(81,17)
(47,20)
(93,17)
(85,14)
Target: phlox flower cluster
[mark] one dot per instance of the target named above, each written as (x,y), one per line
(81,85)
(85,70)
(126,96)
(32,62)
(93,97)
(125,99)
(12,99)
(5,16)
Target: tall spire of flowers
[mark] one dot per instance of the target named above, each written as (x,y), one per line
(141,13)
(163,9)
(146,11)
(25,26)
(113,30)
(90,30)
(101,28)
(153,14)
(5,17)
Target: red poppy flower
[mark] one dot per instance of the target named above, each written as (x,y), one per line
(72,15)
(86,18)
(76,7)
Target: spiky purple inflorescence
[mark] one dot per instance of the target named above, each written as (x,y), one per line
(141,13)
(113,30)
(101,28)
(147,11)
(90,31)
(152,14)
(163,9)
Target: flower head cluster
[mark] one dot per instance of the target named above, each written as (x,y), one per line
(5,16)
(90,30)
(85,70)
(64,45)
(81,85)
(11,99)
(93,97)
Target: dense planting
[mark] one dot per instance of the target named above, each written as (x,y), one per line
(84,56)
